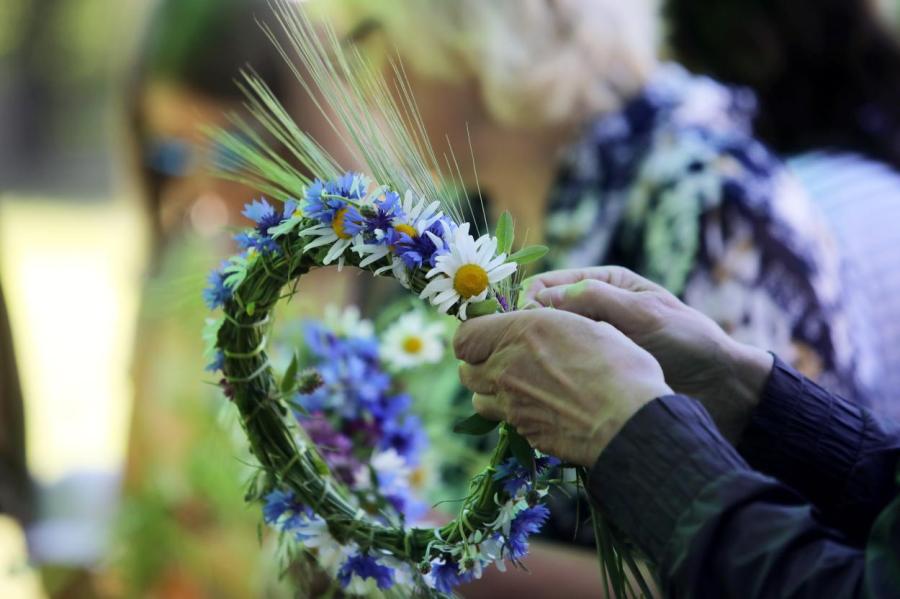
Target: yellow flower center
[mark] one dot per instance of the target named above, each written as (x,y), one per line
(417,478)
(338,222)
(470,280)
(412,344)
(408,229)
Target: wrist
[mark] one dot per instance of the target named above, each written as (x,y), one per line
(611,422)
(748,370)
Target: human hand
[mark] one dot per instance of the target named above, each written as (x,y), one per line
(699,359)
(568,384)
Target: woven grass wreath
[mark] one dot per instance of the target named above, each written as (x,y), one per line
(352,222)
(407,225)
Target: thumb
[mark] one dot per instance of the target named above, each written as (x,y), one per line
(592,299)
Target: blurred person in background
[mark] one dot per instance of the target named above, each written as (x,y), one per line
(827,77)
(185,529)
(615,158)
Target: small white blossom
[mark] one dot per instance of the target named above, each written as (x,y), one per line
(412,341)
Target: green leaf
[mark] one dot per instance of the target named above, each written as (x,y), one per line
(475,425)
(488,306)
(251,308)
(290,377)
(520,448)
(505,233)
(529,254)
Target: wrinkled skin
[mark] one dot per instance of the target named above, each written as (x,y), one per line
(698,358)
(567,383)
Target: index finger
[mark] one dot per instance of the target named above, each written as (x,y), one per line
(616,276)
(477,338)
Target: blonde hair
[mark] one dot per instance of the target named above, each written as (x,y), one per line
(536,61)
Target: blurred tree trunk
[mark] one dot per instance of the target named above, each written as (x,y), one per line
(15,484)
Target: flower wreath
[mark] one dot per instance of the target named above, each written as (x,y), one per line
(349,221)
(419,238)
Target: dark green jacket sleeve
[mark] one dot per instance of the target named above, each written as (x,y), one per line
(715,527)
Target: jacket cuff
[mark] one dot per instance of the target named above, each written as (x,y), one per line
(803,434)
(652,471)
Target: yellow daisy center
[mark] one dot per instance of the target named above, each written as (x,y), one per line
(470,280)
(408,229)
(337,224)
(412,344)
(417,478)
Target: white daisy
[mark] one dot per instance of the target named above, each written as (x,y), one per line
(343,232)
(348,322)
(412,341)
(465,274)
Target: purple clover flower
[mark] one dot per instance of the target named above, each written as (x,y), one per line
(336,448)
(365,566)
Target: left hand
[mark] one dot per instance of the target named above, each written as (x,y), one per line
(567,383)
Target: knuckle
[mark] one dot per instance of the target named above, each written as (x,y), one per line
(655,306)
(590,287)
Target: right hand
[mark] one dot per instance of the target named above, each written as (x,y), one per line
(698,358)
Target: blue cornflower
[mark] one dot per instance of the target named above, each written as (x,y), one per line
(216,292)
(513,475)
(217,363)
(526,523)
(267,216)
(349,185)
(368,385)
(405,436)
(421,249)
(366,348)
(322,341)
(365,566)
(545,462)
(253,240)
(405,503)
(385,212)
(446,576)
(324,199)
(353,379)
(283,509)
(389,407)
